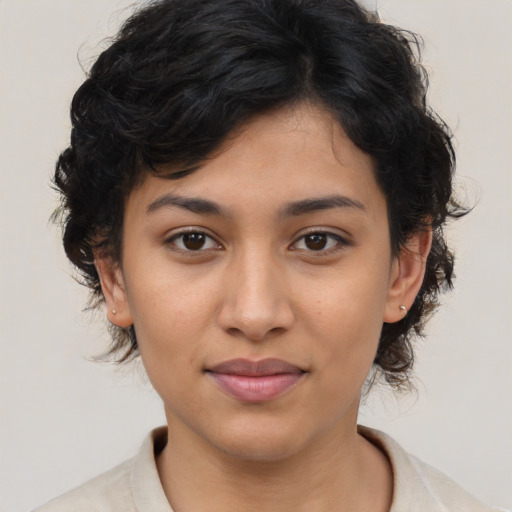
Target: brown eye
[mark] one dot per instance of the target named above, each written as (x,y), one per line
(319,241)
(315,241)
(193,241)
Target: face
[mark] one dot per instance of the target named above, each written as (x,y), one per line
(258,286)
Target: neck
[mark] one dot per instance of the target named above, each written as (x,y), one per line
(339,471)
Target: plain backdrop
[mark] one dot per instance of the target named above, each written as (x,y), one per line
(64,419)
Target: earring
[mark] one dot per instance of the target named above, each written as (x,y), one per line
(403,308)
(114,312)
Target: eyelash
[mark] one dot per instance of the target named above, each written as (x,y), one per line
(172,240)
(339,242)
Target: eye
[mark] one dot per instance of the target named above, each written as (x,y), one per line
(319,241)
(193,241)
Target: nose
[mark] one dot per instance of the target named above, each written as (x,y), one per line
(256,303)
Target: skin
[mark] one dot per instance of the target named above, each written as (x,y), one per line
(255,290)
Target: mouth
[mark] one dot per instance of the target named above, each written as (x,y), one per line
(256,381)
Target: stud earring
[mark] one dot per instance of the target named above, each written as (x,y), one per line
(403,308)
(114,312)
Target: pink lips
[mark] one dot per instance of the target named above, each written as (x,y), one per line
(255,381)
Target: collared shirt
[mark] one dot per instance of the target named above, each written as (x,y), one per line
(134,485)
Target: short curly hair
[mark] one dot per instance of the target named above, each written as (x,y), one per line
(181,75)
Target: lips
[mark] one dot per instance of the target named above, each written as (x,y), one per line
(255,381)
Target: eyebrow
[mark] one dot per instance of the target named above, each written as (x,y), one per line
(294,209)
(192,204)
(320,203)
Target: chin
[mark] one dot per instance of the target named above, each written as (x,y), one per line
(270,443)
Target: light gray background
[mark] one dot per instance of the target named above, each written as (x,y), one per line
(65,419)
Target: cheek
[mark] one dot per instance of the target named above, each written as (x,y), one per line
(345,322)
(170,312)
(347,302)
(169,335)
(164,294)
(345,357)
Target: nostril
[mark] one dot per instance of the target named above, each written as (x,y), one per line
(255,334)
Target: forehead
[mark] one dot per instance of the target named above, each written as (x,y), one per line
(276,158)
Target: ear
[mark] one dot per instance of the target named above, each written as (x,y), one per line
(114,291)
(407,273)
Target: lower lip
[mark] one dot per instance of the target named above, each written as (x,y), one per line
(256,389)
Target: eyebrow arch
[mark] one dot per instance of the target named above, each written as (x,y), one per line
(320,203)
(192,204)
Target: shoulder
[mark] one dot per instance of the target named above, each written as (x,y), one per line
(132,486)
(419,486)
(445,491)
(109,491)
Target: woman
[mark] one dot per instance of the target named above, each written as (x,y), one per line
(257,190)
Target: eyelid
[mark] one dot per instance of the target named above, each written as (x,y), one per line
(179,232)
(342,240)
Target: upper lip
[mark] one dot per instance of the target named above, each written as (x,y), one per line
(248,368)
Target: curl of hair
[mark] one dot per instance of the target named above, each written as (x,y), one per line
(180,76)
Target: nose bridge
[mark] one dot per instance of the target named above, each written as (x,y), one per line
(257,272)
(256,301)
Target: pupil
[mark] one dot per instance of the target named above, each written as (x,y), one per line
(316,241)
(194,241)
